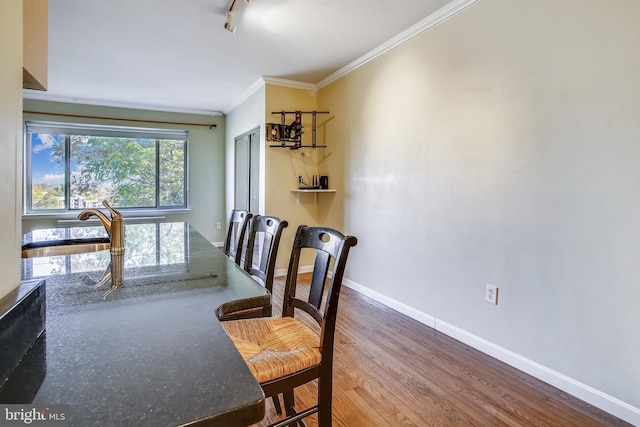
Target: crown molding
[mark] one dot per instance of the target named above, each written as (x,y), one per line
(44,96)
(259,84)
(430,21)
(255,86)
(290,83)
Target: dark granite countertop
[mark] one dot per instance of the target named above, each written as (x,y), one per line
(151,353)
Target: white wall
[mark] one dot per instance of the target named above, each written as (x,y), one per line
(245,117)
(10,142)
(502,146)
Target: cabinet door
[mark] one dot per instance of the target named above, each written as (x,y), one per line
(35,44)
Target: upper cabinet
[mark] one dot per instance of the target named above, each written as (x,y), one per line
(35,44)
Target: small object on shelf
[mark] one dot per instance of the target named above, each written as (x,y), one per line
(284,133)
(316,183)
(324,182)
(273,132)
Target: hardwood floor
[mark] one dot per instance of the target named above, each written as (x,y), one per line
(390,370)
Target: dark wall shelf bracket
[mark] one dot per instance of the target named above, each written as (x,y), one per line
(290,136)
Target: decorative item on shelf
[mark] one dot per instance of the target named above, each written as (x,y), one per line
(324,182)
(286,133)
(290,136)
(315,183)
(273,132)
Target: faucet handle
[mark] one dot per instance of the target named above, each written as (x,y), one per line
(114,213)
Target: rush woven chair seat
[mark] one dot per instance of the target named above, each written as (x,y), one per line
(275,347)
(283,353)
(234,239)
(259,262)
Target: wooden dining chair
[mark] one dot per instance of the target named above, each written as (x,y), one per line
(283,353)
(259,262)
(234,240)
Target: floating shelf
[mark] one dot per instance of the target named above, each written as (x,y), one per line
(315,192)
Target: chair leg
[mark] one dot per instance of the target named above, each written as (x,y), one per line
(289,402)
(290,405)
(324,403)
(276,403)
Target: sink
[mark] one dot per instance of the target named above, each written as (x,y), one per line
(65,247)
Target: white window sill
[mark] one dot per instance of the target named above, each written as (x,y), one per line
(128,215)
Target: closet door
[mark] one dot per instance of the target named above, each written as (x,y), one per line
(247,168)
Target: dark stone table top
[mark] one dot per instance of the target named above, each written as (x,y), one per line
(151,353)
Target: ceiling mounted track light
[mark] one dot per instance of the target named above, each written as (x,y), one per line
(228,25)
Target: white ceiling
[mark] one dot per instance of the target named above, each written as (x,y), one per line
(176,54)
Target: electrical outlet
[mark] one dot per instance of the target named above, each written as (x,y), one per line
(491,294)
(218,226)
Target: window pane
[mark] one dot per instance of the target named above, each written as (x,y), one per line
(75,167)
(47,171)
(121,170)
(172,173)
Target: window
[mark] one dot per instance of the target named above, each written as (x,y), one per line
(73,167)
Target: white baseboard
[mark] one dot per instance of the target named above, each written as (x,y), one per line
(582,391)
(391,303)
(303,269)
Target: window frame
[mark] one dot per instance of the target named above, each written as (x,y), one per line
(69,129)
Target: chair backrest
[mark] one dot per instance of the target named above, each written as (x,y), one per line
(262,248)
(329,245)
(235,234)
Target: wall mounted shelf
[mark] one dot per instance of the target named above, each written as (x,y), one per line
(314,191)
(290,136)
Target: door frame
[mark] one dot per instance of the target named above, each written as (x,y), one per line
(255,168)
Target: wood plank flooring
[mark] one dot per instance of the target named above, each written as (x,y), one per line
(390,370)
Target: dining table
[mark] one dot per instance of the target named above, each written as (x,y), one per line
(151,352)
